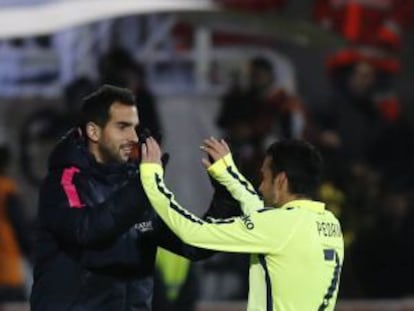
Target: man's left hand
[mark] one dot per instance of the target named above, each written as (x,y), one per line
(215,150)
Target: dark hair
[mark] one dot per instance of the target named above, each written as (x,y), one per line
(95,107)
(4,158)
(262,63)
(114,66)
(300,161)
(76,91)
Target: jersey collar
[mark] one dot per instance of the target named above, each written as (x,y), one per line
(315,206)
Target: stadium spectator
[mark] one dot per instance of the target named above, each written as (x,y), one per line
(14,238)
(386,274)
(119,68)
(251,117)
(44,127)
(176,285)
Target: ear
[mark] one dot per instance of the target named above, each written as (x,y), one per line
(282,180)
(93,131)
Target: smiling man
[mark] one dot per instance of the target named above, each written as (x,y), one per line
(97,235)
(296,245)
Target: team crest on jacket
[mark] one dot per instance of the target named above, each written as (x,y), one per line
(144,226)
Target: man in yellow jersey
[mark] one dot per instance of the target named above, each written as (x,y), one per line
(296,245)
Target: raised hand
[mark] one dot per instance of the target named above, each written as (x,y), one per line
(151,151)
(215,150)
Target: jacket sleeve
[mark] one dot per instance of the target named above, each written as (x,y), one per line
(254,233)
(226,173)
(62,212)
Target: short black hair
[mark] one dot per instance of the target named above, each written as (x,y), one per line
(95,107)
(301,162)
(4,158)
(115,66)
(262,63)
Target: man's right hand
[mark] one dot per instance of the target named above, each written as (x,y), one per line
(215,150)
(151,151)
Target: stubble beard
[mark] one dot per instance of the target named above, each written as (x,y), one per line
(110,155)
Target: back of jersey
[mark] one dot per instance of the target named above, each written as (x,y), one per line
(306,271)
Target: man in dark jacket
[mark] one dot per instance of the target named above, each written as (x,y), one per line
(97,234)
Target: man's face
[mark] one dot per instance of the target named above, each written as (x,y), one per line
(260,79)
(268,185)
(362,79)
(118,137)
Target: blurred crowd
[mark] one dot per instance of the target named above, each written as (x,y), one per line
(360,128)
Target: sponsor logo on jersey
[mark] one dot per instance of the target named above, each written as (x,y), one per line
(247,222)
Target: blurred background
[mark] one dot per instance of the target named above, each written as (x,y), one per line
(338,73)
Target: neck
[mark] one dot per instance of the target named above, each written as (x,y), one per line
(288,197)
(93,149)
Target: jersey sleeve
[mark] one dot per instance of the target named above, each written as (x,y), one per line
(226,173)
(254,233)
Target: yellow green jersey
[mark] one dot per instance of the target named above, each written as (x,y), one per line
(296,250)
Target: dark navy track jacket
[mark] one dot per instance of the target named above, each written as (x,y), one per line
(96,236)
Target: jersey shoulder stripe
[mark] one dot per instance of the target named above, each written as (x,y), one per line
(334,283)
(269,296)
(219,221)
(242,182)
(265,210)
(173,205)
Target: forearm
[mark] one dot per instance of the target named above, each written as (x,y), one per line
(217,234)
(227,174)
(171,242)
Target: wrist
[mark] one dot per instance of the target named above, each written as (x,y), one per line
(220,165)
